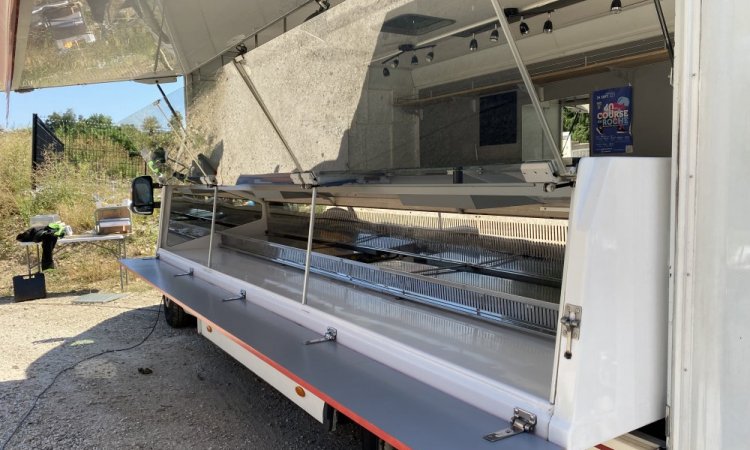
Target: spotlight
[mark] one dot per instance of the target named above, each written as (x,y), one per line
(495,35)
(386,72)
(524,27)
(414,60)
(394,63)
(430,56)
(548,24)
(615,7)
(473,45)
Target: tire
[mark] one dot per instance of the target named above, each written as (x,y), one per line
(175,316)
(372,442)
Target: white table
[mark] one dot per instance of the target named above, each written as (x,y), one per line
(99,240)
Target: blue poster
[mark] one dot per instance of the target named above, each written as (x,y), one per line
(611,119)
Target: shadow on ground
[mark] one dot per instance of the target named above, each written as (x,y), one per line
(195,396)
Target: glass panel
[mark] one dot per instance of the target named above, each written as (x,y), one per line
(66,42)
(378,86)
(576,128)
(191,211)
(76,42)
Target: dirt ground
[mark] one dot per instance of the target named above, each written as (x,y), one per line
(195,397)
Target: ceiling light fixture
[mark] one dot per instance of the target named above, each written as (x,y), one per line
(473,45)
(548,24)
(495,35)
(393,60)
(524,27)
(615,7)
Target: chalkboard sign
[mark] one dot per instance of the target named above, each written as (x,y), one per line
(498,119)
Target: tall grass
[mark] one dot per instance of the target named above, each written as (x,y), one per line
(71,191)
(15,178)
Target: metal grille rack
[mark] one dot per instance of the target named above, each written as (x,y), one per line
(527,249)
(532,306)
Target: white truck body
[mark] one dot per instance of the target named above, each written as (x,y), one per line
(622,298)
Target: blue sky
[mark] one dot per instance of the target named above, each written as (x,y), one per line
(117,100)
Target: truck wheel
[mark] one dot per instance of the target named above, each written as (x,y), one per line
(175,316)
(372,442)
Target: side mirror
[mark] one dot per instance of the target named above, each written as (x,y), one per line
(142,196)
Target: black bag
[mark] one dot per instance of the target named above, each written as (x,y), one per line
(29,287)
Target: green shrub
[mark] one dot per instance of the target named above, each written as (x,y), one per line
(72,191)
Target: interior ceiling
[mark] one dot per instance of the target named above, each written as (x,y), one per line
(469,14)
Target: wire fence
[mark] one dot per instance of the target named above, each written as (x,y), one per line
(98,144)
(104,149)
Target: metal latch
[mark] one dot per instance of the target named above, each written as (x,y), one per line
(522,422)
(242,296)
(328,337)
(571,327)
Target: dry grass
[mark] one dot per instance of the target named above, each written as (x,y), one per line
(70,191)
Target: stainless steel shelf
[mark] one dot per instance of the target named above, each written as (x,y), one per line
(475,297)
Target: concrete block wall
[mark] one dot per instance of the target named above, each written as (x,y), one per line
(334,110)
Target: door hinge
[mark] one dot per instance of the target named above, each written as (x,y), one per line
(522,422)
(330,336)
(571,327)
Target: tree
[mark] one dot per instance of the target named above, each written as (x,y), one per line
(176,122)
(151,125)
(61,122)
(577,123)
(98,120)
(154,136)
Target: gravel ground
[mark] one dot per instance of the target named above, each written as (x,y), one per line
(196,396)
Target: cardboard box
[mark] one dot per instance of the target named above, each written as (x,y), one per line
(113,220)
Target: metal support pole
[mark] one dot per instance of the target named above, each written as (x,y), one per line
(557,158)
(121,252)
(28,259)
(213,227)
(308,255)
(125,256)
(664,31)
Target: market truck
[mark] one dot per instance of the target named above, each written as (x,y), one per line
(505,224)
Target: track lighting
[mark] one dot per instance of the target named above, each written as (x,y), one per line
(548,24)
(615,7)
(495,35)
(524,27)
(393,60)
(473,45)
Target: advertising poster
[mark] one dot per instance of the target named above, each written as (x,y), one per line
(611,119)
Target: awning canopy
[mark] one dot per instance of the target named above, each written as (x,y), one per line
(8,12)
(48,43)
